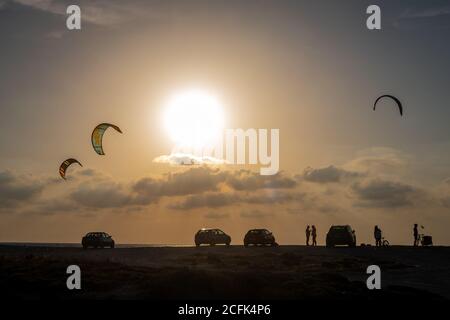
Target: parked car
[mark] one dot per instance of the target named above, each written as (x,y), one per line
(211,237)
(341,235)
(259,236)
(97,240)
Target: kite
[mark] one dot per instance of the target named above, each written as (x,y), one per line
(399,104)
(97,136)
(63,167)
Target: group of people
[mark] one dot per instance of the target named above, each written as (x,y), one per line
(378,236)
(311,232)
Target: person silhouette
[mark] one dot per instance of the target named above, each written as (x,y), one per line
(416,235)
(377,235)
(308,233)
(314,235)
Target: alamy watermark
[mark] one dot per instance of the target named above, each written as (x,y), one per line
(74,280)
(73,21)
(373,22)
(374,280)
(239,147)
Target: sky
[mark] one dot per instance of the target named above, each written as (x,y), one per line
(311,69)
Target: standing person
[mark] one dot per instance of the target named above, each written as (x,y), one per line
(308,233)
(377,235)
(314,235)
(416,235)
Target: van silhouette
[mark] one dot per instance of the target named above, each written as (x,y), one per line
(259,236)
(341,235)
(97,240)
(211,237)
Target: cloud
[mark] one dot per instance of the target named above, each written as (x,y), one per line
(53,206)
(256,214)
(379,160)
(443,193)
(197,187)
(187,159)
(216,215)
(210,200)
(273,197)
(88,172)
(103,195)
(378,193)
(425,18)
(429,12)
(17,189)
(328,175)
(193,187)
(324,190)
(100,191)
(191,181)
(222,199)
(98,12)
(250,180)
(56,7)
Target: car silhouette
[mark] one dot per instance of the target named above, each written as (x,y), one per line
(211,237)
(259,236)
(97,240)
(341,235)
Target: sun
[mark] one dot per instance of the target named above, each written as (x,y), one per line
(194,119)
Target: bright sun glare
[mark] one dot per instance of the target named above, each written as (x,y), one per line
(194,119)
